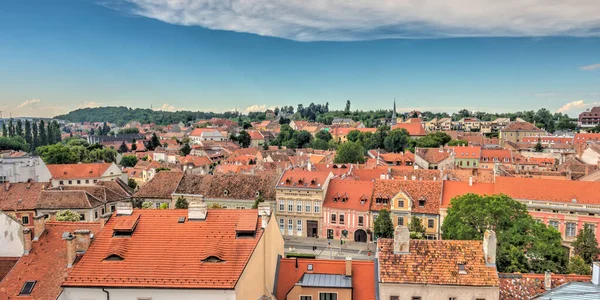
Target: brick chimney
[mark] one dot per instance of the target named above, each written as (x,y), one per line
(52,216)
(39,225)
(547,280)
(6,186)
(104,219)
(489,248)
(124,209)
(264,212)
(71,252)
(348,266)
(401,240)
(197,211)
(26,241)
(82,240)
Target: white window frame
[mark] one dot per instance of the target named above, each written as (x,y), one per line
(307,206)
(290,226)
(299,226)
(281,205)
(567,229)
(317,208)
(299,206)
(290,205)
(281,224)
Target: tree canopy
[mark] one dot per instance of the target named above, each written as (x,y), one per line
(383,226)
(67,216)
(349,152)
(586,245)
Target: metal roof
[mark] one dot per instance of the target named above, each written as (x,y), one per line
(325,280)
(573,291)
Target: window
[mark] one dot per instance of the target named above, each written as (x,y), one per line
(400,203)
(317,208)
(281,224)
(307,207)
(421,203)
(360,221)
(25,220)
(430,223)
(78,181)
(394,298)
(96,214)
(299,225)
(333,218)
(586,226)
(103,211)
(82,217)
(290,225)
(61,182)
(305,297)
(87,181)
(27,288)
(461,269)
(400,221)
(112,208)
(415,298)
(341,219)
(452,298)
(290,205)
(327,296)
(281,205)
(554,224)
(70,182)
(571,229)
(299,206)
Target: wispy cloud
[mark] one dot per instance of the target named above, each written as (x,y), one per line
(590,67)
(578,105)
(166,107)
(30,102)
(257,107)
(90,104)
(342,20)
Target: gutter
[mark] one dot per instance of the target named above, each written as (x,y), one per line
(107,294)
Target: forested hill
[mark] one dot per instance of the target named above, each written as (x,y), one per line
(122,115)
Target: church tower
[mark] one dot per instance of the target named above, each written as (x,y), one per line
(394,118)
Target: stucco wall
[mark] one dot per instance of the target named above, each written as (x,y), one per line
(406,291)
(11,237)
(297,291)
(156,294)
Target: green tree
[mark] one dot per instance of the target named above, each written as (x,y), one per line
(131,183)
(147,205)
(396,141)
(185,150)
(163,206)
(586,245)
(43,133)
(28,137)
(13,143)
(11,128)
(347,108)
(181,203)
(578,266)
(131,130)
(129,160)
(19,129)
(244,139)
(67,216)
(35,140)
(303,138)
(133,145)
(349,152)
(57,154)
(155,141)
(416,228)
(458,143)
(538,146)
(323,135)
(259,199)
(353,135)
(4,130)
(320,144)
(123,148)
(162,169)
(383,226)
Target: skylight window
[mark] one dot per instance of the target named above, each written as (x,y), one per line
(461,269)
(27,288)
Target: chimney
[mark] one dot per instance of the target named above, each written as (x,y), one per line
(51,216)
(414,178)
(197,211)
(401,240)
(348,266)
(6,186)
(264,212)
(124,209)
(104,219)
(489,248)
(470,180)
(39,225)
(71,254)
(547,280)
(596,273)
(82,240)
(26,241)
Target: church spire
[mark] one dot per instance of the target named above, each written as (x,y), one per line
(394,118)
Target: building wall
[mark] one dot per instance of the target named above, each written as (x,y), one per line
(426,292)
(11,237)
(76,182)
(590,156)
(21,169)
(303,197)
(70,293)
(258,278)
(351,218)
(297,291)
(91,214)
(515,136)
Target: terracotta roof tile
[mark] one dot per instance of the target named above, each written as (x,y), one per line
(161,186)
(56,199)
(436,262)
(466,151)
(414,129)
(297,178)
(516,286)
(6,264)
(521,126)
(430,191)
(20,196)
(72,171)
(349,194)
(363,275)
(433,155)
(229,186)
(163,253)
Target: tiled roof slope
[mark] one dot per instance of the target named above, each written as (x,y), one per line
(430,191)
(6,264)
(432,155)
(436,262)
(46,263)
(162,185)
(353,190)
(75,171)
(515,286)
(457,188)
(298,178)
(54,199)
(520,126)
(20,196)
(163,253)
(238,186)
(363,275)
(118,186)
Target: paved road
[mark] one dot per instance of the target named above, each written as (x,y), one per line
(329,252)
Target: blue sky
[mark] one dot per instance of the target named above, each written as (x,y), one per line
(59,55)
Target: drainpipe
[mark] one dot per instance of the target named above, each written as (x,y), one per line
(107,294)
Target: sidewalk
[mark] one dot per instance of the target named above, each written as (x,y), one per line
(334,243)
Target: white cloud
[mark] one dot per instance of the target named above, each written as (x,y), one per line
(257,108)
(90,104)
(166,107)
(578,105)
(342,20)
(590,67)
(31,102)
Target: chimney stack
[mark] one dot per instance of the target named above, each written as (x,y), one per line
(52,216)
(264,212)
(71,253)
(39,225)
(197,211)
(7,186)
(104,219)
(547,280)
(124,209)
(401,240)
(26,241)
(348,266)
(82,240)
(489,248)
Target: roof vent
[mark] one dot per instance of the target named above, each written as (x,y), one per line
(124,209)
(181,220)
(197,211)
(574,200)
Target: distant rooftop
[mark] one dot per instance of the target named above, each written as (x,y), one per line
(573,291)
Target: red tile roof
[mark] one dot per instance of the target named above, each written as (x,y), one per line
(582,138)
(298,178)
(430,191)
(56,199)
(349,194)
(46,263)
(163,253)
(452,189)
(500,154)
(433,155)
(414,129)
(521,126)
(255,135)
(200,131)
(162,185)
(466,152)
(436,262)
(516,286)
(77,171)
(363,275)
(20,196)
(6,264)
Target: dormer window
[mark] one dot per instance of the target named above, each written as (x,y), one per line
(462,270)
(226,192)
(422,203)
(257,193)
(212,259)
(114,257)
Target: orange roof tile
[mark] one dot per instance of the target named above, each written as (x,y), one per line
(452,189)
(349,194)
(163,253)
(414,129)
(436,262)
(162,185)
(76,171)
(521,126)
(297,178)
(517,286)
(466,152)
(200,131)
(433,155)
(430,191)
(20,196)
(363,275)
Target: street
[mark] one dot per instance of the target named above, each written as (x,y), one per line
(323,250)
